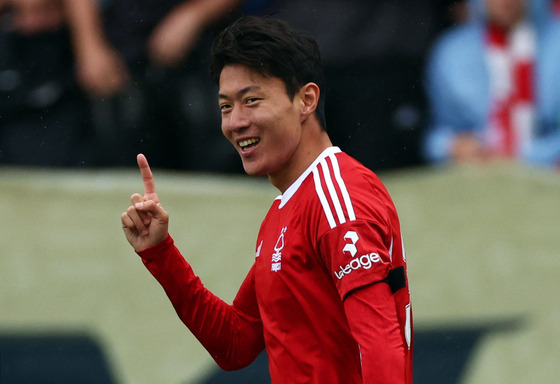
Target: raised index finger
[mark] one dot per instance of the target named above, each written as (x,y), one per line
(147,177)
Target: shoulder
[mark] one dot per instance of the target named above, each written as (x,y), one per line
(460,32)
(460,40)
(457,57)
(348,191)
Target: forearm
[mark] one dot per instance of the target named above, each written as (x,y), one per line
(84,21)
(373,321)
(232,337)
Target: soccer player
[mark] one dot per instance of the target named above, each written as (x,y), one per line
(327,295)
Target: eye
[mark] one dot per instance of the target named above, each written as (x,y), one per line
(251,100)
(224,108)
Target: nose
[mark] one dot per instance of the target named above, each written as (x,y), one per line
(236,119)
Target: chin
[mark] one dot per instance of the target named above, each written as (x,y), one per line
(253,171)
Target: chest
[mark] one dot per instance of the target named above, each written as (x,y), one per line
(286,246)
(290,272)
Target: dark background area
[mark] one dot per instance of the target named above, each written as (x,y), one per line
(373,53)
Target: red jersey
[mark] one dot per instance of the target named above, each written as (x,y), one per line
(327,295)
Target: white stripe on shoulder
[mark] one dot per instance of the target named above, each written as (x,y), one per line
(323,198)
(332,192)
(331,200)
(343,190)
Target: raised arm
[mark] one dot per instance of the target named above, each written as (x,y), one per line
(100,68)
(232,334)
(178,33)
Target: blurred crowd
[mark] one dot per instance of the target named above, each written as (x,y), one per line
(91,83)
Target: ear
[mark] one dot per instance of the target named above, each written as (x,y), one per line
(309,98)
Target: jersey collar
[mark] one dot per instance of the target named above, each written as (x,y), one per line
(292,189)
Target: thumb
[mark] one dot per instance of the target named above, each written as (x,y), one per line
(157,229)
(151,206)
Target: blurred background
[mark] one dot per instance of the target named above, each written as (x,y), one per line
(455,104)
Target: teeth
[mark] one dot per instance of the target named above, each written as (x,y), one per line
(247,142)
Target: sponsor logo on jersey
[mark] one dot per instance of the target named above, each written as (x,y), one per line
(277,255)
(351,246)
(365,261)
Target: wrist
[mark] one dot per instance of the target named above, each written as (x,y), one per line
(153,251)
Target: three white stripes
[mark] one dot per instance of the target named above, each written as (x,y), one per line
(336,203)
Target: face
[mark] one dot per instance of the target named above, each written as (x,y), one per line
(505,13)
(261,121)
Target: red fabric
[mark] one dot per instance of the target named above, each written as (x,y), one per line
(303,305)
(374,323)
(319,325)
(522,93)
(232,334)
(497,39)
(523,79)
(503,119)
(497,36)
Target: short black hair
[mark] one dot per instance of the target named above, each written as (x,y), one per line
(273,48)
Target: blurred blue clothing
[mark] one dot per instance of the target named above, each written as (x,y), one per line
(457,84)
(540,9)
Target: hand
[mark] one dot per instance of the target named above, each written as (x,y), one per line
(145,222)
(468,149)
(179,32)
(174,37)
(100,69)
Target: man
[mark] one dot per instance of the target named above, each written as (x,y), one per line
(327,295)
(493,85)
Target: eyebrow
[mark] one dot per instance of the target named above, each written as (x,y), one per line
(241,92)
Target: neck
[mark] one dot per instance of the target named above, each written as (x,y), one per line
(310,147)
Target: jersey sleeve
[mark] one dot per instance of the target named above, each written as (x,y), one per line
(356,255)
(359,255)
(373,319)
(232,334)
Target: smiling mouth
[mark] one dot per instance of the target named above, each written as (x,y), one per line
(249,143)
